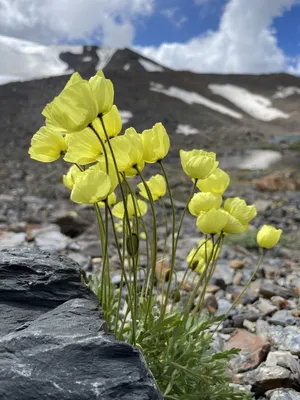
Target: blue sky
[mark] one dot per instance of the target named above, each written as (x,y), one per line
(221,36)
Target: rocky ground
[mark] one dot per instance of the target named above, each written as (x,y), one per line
(35,211)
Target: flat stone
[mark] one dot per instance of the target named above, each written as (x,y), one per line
(267,377)
(283,318)
(269,290)
(287,338)
(253,350)
(284,359)
(239,319)
(237,264)
(223,274)
(262,329)
(266,307)
(53,338)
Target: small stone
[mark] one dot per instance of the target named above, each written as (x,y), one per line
(283,394)
(237,279)
(223,306)
(212,288)
(11,239)
(265,307)
(269,289)
(279,301)
(262,329)
(239,319)
(283,318)
(284,359)
(52,241)
(268,377)
(251,326)
(253,350)
(223,274)
(237,264)
(287,338)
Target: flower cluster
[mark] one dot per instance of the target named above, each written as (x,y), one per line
(83,125)
(214,215)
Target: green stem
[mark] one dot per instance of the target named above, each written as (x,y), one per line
(237,299)
(102,241)
(154,243)
(123,275)
(124,202)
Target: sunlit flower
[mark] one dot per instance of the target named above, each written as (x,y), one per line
(268,236)
(156,143)
(103,91)
(239,209)
(112,122)
(110,169)
(200,257)
(204,202)
(198,164)
(74,108)
(212,221)
(90,187)
(128,152)
(111,200)
(217,182)
(156,185)
(234,226)
(47,145)
(83,147)
(79,103)
(70,177)
(132,207)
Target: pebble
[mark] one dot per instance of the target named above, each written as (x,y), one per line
(283,318)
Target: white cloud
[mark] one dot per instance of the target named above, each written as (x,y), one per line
(244,42)
(48,21)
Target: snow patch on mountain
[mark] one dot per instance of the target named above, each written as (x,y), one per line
(125,116)
(186,130)
(257,106)
(105,56)
(193,98)
(284,92)
(150,66)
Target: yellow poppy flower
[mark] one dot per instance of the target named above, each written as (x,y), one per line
(90,187)
(156,185)
(83,147)
(103,91)
(212,221)
(74,108)
(240,210)
(140,205)
(198,164)
(111,200)
(47,145)
(234,226)
(156,143)
(217,182)
(268,236)
(69,178)
(204,202)
(112,122)
(128,151)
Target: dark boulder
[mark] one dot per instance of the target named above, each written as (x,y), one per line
(53,339)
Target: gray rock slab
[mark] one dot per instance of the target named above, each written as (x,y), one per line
(53,339)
